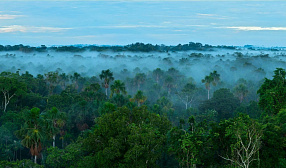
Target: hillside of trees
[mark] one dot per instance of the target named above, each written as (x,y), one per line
(163,109)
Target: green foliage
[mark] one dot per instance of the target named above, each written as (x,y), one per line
(223,101)
(127,137)
(274,141)
(20,164)
(272,93)
(139,98)
(190,147)
(10,88)
(68,157)
(238,141)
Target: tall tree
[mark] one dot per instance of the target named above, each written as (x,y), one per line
(10,88)
(208,80)
(106,76)
(52,79)
(187,94)
(32,132)
(139,98)
(139,79)
(216,77)
(240,91)
(247,134)
(117,87)
(169,83)
(272,93)
(158,73)
(54,120)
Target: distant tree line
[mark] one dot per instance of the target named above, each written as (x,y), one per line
(135,47)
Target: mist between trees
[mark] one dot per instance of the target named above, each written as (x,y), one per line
(209,107)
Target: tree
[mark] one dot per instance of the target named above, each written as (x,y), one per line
(75,79)
(165,105)
(54,120)
(10,88)
(189,147)
(68,157)
(213,79)
(169,83)
(272,93)
(117,87)
(107,76)
(223,101)
(139,79)
(127,138)
(52,79)
(216,77)
(208,80)
(139,98)
(187,94)
(240,91)
(32,132)
(158,73)
(273,147)
(64,79)
(247,134)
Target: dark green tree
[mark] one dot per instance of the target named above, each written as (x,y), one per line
(106,76)
(272,93)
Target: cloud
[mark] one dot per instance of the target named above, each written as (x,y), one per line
(164,25)
(19,28)
(204,14)
(212,16)
(132,26)
(10,16)
(256,28)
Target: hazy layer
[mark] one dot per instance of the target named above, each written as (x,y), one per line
(229,63)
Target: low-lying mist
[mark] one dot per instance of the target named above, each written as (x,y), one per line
(231,64)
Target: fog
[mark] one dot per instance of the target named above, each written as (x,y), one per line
(231,64)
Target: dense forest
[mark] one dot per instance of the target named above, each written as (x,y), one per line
(142,105)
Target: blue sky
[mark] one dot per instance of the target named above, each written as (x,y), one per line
(157,22)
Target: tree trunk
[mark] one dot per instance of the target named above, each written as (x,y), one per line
(157,79)
(35,160)
(208,94)
(106,92)
(54,141)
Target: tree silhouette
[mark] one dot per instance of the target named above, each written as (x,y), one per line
(32,132)
(208,80)
(240,91)
(117,87)
(139,98)
(107,76)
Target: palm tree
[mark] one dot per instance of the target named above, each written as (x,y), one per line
(157,73)
(63,80)
(32,133)
(216,77)
(169,83)
(208,80)
(107,76)
(118,87)
(139,79)
(240,91)
(52,79)
(139,98)
(54,121)
(74,78)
